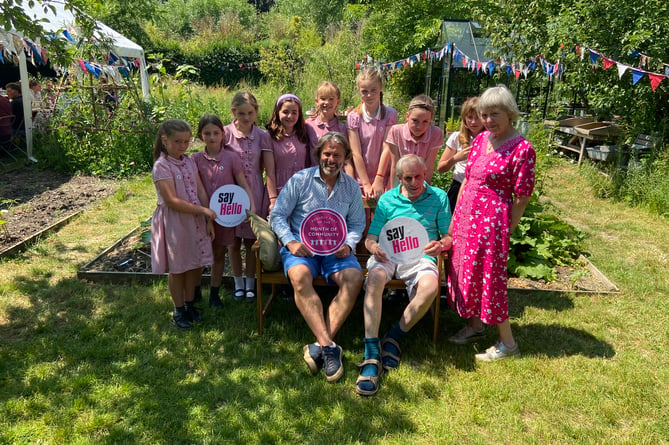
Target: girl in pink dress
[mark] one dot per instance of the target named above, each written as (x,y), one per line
(182,224)
(218,167)
(416,136)
(251,144)
(289,142)
(499,180)
(325,119)
(368,127)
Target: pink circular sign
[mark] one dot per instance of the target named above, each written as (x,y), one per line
(323,231)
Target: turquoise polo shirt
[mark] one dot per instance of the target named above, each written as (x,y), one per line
(431,209)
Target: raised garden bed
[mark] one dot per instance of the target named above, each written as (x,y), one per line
(36,202)
(128,259)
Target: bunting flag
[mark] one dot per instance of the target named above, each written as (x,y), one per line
(621,69)
(116,68)
(463,60)
(655,80)
(233,66)
(637,73)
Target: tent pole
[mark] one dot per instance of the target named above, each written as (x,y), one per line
(144,78)
(27,103)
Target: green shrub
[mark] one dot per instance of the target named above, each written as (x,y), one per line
(540,242)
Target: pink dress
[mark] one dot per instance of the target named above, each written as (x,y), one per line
(249,149)
(290,156)
(430,142)
(179,241)
(371,131)
(477,280)
(316,128)
(215,172)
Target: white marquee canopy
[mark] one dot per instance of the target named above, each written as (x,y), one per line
(55,21)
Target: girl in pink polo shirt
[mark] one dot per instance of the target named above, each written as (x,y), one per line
(328,98)
(251,144)
(368,127)
(416,136)
(218,167)
(289,142)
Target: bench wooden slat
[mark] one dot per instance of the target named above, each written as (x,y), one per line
(275,278)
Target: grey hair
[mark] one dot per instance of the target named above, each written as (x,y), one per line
(332,137)
(407,160)
(498,97)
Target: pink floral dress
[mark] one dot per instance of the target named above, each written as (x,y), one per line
(477,280)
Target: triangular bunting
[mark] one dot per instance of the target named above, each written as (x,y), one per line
(593,56)
(621,69)
(655,80)
(637,75)
(608,63)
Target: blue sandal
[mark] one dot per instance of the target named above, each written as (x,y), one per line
(390,357)
(373,379)
(239,294)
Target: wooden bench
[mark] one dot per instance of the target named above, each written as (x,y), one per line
(274,278)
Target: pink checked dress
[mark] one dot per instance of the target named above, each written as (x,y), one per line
(290,156)
(215,172)
(316,128)
(179,241)
(477,280)
(249,149)
(371,131)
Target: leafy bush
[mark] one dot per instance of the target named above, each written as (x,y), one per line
(85,137)
(540,242)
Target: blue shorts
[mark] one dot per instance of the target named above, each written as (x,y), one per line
(318,264)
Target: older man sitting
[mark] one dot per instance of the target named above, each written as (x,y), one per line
(415,199)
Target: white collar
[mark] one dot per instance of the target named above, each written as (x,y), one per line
(369,118)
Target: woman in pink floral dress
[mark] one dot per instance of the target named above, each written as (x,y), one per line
(499,180)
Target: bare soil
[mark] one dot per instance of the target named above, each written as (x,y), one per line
(32,200)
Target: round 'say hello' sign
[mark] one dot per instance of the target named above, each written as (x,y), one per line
(403,240)
(230,203)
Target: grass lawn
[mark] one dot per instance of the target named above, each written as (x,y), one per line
(100,363)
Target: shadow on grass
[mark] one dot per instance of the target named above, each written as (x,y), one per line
(104,362)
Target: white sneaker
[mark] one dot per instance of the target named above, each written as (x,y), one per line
(498,352)
(466,335)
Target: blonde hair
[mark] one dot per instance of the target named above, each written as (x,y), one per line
(465,135)
(327,87)
(422,101)
(372,74)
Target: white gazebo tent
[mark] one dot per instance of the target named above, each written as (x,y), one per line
(56,20)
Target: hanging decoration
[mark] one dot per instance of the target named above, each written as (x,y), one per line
(115,69)
(463,60)
(234,66)
(637,72)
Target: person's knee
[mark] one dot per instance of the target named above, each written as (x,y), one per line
(300,278)
(377,276)
(427,287)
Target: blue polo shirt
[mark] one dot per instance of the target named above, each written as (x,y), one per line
(431,209)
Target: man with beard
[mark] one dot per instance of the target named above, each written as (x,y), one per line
(324,186)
